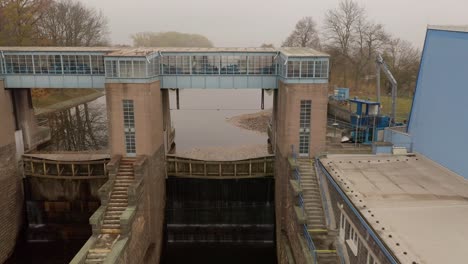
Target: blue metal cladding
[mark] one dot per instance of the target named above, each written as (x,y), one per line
(438,123)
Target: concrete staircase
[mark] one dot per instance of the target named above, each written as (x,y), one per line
(116,205)
(311,194)
(118,200)
(316,224)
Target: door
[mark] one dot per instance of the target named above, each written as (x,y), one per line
(129,127)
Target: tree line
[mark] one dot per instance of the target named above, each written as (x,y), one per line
(353,41)
(51,23)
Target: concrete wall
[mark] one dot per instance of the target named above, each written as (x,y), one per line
(11,195)
(437,122)
(288,116)
(25,118)
(145,243)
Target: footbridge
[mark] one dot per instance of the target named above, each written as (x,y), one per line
(240,68)
(208,169)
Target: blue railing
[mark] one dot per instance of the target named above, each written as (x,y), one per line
(307,236)
(310,243)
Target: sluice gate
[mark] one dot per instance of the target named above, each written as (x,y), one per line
(220,202)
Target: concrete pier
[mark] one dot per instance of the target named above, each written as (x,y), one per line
(11,193)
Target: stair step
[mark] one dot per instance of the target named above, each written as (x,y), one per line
(116,208)
(111,226)
(111,222)
(110,230)
(94,261)
(97,254)
(113,213)
(112,217)
(117,205)
(118,200)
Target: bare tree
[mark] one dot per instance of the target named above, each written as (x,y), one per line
(369,40)
(70,23)
(403,60)
(340,27)
(170,39)
(265,45)
(304,35)
(19,20)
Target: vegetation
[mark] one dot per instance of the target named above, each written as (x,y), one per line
(42,98)
(353,41)
(51,23)
(170,39)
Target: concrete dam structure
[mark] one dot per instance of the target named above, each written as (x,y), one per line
(140,197)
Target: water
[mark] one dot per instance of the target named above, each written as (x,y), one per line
(201,121)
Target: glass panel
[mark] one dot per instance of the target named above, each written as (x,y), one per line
(293,69)
(321,69)
(139,69)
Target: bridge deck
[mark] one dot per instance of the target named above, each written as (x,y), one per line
(203,169)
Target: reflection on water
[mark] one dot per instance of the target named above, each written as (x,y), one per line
(201,120)
(79,128)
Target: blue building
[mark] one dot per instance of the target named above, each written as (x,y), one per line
(438,125)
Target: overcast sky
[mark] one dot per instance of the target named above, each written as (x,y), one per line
(249,23)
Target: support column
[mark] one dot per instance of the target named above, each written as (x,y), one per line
(25,119)
(287,130)
(11,194)
(147,238)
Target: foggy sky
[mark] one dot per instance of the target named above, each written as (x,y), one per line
(249,23)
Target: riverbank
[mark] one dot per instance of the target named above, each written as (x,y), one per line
(223,153)
(74,99)
(257,122)
(46,98)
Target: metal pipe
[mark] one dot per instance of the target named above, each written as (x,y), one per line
(177,96)
(262,104)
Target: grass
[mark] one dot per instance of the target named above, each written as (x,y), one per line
(403,108)
(53,96)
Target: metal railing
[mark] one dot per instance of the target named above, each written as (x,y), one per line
(305,229)
(322,194)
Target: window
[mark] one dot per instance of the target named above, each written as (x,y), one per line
(353,240)
(294,69)
(111,69)
(371,259)
(262,65)
(307,70)
(125,69)
(97,63)
(321,69)
(304,127)
(129,127)
(139,69)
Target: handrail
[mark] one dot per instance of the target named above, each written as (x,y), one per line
(307,236)
(322,194)
(310,243)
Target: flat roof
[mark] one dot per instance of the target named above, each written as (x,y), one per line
(422,205)
(131,51)
(456,28)
(59,49)
(302,52)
